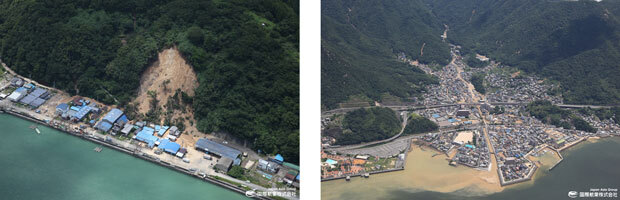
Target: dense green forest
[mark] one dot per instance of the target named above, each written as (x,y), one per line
(360,43)
(418,124)
(368,124)
(573,42)
(554,115)
(478,81)
(245,53)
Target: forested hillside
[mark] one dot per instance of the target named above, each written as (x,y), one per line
(366,125)
(574,42)
(245,53)
(360,43)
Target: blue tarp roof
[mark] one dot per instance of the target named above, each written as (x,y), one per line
(146,135)
(279,158)
(113,115)
(104,126)
(435,116)
(169,146)
(123,119)
(162,130)
(62,106)
(237,162)
(217,148)
(82,113)
(452,120)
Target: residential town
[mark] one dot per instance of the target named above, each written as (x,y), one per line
(475,130)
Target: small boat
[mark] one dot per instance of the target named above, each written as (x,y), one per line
(37,129)
(348,178)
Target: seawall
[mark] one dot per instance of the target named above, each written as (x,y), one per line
(98,140)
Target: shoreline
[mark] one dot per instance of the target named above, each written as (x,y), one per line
(530,177)
(101,141)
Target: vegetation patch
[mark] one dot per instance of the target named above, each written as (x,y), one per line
(554,115)
(418,124)
(368,124)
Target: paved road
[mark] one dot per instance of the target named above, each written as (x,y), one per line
(418,107)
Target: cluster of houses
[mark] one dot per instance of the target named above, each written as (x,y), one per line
(520,89)
(115,122)
(78,110)
(475,154)
(451,116)
(28,94)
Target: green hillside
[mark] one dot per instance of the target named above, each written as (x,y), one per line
(245,52)
(366,125)
(576,43)
(360,43)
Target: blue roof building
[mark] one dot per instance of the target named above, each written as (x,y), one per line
(62,108)
(162,130)
(146,135)
(28,99)
(82,113)
(279,158)
(123,119)
(221,150)
(169,146)
(113,115)
(37,102)
(38,92)
(104,126)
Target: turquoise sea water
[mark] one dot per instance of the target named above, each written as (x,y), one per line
(54,165)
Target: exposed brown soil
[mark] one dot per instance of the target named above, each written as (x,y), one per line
(170,67)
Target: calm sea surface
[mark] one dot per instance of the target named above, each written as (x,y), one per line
(54,165)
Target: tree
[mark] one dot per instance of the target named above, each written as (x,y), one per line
(195,35)
(236,172)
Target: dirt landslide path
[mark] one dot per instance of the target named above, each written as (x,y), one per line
(169,73)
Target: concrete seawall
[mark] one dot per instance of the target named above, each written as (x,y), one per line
(100,141)
(371,173)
